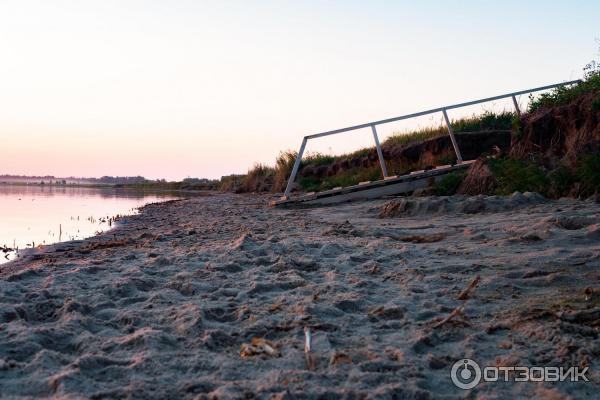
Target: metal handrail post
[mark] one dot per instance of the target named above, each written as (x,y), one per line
(288,188)
(379,152)
(452,138)
(516,105)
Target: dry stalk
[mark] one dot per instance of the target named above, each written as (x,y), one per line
(310,361)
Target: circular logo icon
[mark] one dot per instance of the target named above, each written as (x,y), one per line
(465,374)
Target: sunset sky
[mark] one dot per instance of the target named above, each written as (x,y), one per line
(169,89)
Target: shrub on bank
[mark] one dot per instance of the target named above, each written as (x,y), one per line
(448,184)
(511,174)
(561,180)
(588,174)
(515,175)
(565,94)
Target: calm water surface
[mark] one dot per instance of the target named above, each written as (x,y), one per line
(38,215)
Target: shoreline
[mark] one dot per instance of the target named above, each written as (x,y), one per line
(28,254)
(18,253)
(163,305)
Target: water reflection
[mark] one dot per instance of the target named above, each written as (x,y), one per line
(31,216)
(78,191)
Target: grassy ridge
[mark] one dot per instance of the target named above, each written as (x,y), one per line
(520,175)
(263,177)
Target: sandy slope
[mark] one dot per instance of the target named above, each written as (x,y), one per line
(160,307)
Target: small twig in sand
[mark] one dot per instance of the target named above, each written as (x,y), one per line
(464,295)
(436,237)
(310,361)
(453,314)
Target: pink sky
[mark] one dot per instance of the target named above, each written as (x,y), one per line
(205,89)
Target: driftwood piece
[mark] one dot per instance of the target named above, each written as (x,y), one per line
(464,295)
(453,314)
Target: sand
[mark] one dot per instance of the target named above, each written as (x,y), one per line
(161,306)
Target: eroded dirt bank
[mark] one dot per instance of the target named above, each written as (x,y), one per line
(160,307)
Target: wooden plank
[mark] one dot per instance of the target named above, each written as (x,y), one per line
(372,190)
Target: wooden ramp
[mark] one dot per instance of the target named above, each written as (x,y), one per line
(393,185)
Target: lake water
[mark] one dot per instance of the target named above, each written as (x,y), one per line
(40,215)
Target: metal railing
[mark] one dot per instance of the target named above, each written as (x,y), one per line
(443,110)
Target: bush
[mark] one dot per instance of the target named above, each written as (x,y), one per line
(596,104)
(564,94)
(259,178)
(310,184)
(230,183)
(448,185)
(588,173)
(561,181)
(283,169)
(516,128)
(517,175)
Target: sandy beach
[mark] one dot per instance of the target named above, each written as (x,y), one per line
(393,291)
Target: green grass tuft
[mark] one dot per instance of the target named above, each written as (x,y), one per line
(596,105)
(561,181)
(517,175)
(588,173)
(448,185)
(484,122)
(317,159)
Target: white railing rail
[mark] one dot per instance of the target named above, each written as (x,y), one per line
(443,110)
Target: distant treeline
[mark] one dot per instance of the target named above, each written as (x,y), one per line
(111,180)
(118,180)
(107,180)
(27,177)
(135,182)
